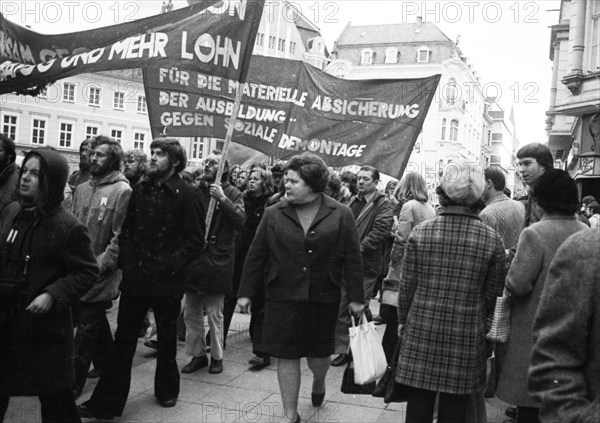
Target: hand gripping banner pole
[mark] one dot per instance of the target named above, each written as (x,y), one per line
(236,109)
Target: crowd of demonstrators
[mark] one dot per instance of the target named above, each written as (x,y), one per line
(162,232)
(100,204)
(302,248)
(555,195)
(209,277)
(373,219)
(306,247)
(9,171)
(565,361)
(46,263)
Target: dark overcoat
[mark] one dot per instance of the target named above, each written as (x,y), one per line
(453,270)
(36,350)
(291,266)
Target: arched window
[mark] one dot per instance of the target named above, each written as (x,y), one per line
(443,129)
(391,55)
(366,56)
(454,130)
(451,91)
(423,55)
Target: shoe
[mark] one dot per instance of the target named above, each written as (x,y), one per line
(216,366)
(511,412)
(259,362)
(94,374)
(86,413)
(196,364)
(317,399)
(167,402)
(340,360)
(151,343)
(378,320)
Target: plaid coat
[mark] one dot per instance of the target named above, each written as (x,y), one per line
(452,272)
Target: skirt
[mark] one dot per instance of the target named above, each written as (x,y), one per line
(298,329)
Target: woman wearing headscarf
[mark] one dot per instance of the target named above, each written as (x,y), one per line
(555,195)
(47,263)
(452,271)
(305,249)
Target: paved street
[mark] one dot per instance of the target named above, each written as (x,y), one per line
(236,395)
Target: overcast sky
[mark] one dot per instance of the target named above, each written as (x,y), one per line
(508,41)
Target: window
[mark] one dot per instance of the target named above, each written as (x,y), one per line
(43,94)
(292,47)
(366,57)
(91,131)
(9,126)
(68,92)
(38,132)
(119,100)
(340,73)
(391,55)
(65,135)
(443,129)
(138,141)
(595,44)
(281,44)
(423,55)
(453,130)
(141,104)
(117,134)
(197,148)
(451,91)
(94,99)
(271,42)
(260,39)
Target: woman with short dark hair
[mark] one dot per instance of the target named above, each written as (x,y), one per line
(305,251)
(555,193)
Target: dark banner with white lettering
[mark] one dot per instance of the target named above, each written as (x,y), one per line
(289,107)
(214,37)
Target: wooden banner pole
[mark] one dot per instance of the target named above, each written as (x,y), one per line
(236,109)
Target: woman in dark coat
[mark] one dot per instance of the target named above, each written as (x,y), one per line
(46,255)
(556,199)
(452,271)
(306,247)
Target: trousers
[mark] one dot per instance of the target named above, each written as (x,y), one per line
(110,396)
(196,305)
(56,408)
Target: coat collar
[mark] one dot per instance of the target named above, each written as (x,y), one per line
(371,199)
(327,206)
(172,184)
(459,211)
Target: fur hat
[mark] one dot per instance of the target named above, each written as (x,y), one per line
(463,183)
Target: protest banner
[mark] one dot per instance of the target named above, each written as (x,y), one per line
(215,37)
(290,106)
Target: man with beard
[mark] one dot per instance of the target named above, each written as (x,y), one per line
(79,176)
(163,231)
(209,278)
(100,204)
(9,171)
(134,165)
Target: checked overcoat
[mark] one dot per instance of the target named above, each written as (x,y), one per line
(453,270)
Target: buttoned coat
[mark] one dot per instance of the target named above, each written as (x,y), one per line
(453,270)
(290,266)
(525,281)
(565,363)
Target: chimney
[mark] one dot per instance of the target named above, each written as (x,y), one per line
(419,20)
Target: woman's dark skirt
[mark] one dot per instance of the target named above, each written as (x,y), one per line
(298,329)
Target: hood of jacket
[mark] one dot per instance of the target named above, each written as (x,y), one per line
(110,178)
(56,173)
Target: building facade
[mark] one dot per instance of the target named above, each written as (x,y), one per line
(573,119)
(457,125)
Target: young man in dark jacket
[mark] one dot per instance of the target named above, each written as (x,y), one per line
(163,231)
(46,263)
(209,278)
